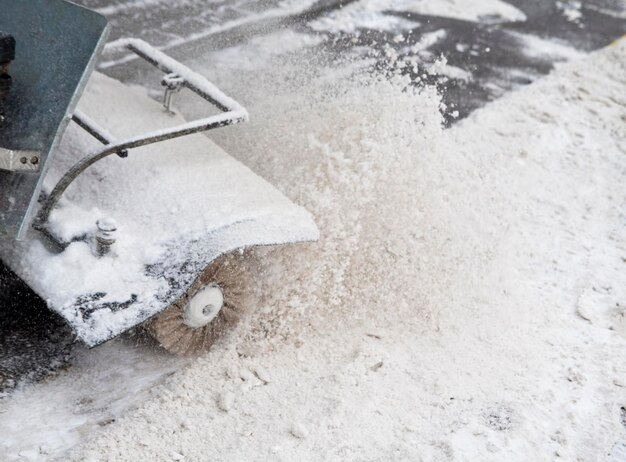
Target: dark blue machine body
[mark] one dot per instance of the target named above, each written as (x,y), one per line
(56,44)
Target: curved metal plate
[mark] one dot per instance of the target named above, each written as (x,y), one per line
(57,44)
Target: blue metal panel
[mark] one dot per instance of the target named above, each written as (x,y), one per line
(57,43)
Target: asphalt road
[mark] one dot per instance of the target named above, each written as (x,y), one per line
(34,341)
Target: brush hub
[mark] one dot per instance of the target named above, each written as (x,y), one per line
(203,307)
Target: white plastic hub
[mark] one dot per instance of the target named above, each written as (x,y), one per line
(203,307)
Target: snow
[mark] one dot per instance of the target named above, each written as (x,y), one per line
(469,10)
(464,302)
(441,67)
(226,400)
(616,9)
(427,40)
(259,50)
(41,423)
(365,14)
(372,14)
(111,10)
(571,10)
(538,47)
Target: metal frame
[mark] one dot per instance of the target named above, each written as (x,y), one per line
(184,77)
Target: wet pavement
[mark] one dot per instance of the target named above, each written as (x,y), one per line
(500,56)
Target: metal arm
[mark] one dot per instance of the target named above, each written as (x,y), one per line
(233,113)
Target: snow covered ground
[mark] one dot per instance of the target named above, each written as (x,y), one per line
(466,301)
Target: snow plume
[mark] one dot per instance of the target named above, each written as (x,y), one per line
(354,151)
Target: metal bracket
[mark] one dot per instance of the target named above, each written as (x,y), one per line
(12,160)
(19,161)
(177,77)
(173,83)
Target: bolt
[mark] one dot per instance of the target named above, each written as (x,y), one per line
(105,236)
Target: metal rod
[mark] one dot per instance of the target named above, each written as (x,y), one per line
(194,81)
(90,126)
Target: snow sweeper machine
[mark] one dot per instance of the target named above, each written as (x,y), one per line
(113,208)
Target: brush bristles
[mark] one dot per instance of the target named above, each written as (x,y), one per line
(231,272)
